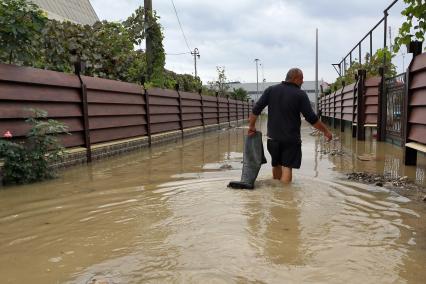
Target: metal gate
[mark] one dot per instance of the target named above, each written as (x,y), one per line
(395,93)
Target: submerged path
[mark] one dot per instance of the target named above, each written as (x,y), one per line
(164,215)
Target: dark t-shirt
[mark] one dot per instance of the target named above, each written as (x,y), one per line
(285,101)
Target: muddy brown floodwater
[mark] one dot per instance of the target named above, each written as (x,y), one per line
(164,215)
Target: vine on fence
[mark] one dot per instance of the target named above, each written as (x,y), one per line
(414,27)
(28,38)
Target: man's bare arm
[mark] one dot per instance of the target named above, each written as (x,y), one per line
(252,124)
(321,127)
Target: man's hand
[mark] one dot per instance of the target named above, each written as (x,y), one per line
(251,130)
(321,127)
(328,135)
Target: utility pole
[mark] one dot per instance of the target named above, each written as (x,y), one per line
(403,62)
(263,77)
(196,54)
(316,73)
(148,51)
(257,78)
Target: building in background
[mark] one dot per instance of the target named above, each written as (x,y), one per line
(76,11)
(308,87)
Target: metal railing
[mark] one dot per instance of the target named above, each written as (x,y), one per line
(341,67)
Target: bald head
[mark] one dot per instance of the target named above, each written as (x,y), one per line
(295,75)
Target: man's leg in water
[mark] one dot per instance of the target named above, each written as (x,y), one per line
(277,172)
(287,175)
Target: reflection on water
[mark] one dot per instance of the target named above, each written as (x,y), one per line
(164,215)
(370,156)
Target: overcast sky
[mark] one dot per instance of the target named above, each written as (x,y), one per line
(281,33)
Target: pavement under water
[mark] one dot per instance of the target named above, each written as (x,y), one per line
(165,215)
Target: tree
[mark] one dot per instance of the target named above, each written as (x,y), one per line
(414,27)
(28,38)
(239,94)
(135,25)
(221,84)
(20,30)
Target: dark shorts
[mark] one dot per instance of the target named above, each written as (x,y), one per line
(285,154)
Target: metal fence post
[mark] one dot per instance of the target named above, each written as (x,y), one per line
(236,108)
(354,111)
(180,108)
(334,110)
(229,110)
(217,109)
(147,113)
(79,67)
(244,109)
(382,115)
(202,107)
(247,109)
(342,123)
(361,106)
(87,141)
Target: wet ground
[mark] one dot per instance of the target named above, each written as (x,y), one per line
(164,215)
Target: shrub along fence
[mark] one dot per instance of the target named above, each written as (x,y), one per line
(99,110)
(394,107)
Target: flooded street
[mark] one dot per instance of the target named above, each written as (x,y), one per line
(165,215)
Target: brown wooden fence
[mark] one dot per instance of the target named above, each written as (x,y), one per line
(383,103)
(415,110)
(342,105)
(99,110)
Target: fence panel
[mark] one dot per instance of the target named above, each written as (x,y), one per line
(223,110)
(22,88)
(210,110)
(164,110)
(338,104)
(417,101)
(233,109)
(191,110)
(371,100)
(240,110)
(116,110)
(348,102)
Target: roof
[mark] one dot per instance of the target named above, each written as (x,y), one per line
(77,11)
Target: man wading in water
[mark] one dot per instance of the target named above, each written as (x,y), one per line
(286,101)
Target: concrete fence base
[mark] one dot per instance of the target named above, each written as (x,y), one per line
(104,150)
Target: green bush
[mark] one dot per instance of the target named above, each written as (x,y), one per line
(28,161)
(372,66)
(21,24)
(414,27)
(28,38)
(239,94)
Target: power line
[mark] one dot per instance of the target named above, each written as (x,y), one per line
(181,53)
(180,25)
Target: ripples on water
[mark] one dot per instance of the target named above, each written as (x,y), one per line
(165,215)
